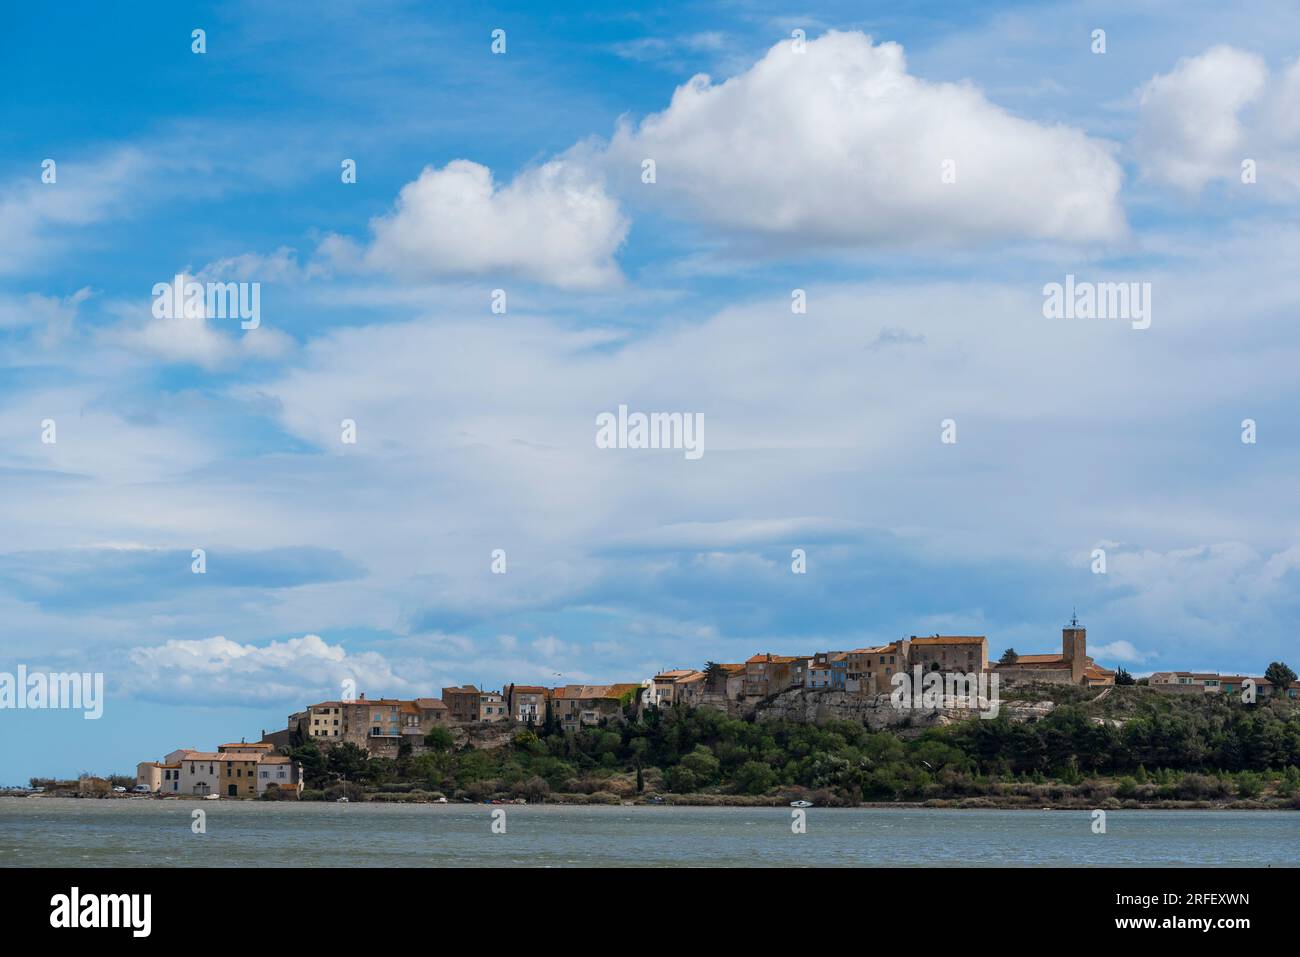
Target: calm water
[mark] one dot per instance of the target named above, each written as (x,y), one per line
(143,833)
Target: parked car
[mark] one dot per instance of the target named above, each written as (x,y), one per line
(119,789)
(141,789)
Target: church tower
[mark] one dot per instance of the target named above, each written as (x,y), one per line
(1074,649)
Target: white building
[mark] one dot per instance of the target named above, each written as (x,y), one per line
(200,773)
(278,770)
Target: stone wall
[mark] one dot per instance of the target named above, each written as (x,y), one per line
(1024,676)
(877,712)
(278,738)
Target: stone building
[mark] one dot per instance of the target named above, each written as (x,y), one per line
(950,653)
(579,706)
(433,713)
(237,774)
(1072,666)
(526,703)
(870,671)
(462,703)
(767,674)
(492,706)
(671,687)
(321,721)
(723,687)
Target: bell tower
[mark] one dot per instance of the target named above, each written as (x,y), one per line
(1074,649)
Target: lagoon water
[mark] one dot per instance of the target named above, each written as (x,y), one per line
(46,832)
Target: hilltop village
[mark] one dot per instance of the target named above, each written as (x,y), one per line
(848,681)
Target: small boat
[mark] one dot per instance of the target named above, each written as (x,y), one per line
(342,800)
(801,804)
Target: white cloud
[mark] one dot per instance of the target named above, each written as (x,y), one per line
(50,318)
(281,266)
(551,648)
(840,145)
(219,670)
(33,213)
(671,52)
(1122,651)
(553,223)
(1190,130)
(194,339)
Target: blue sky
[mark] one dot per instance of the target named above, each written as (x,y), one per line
(816,170)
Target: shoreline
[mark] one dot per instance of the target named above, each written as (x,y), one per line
(722,801)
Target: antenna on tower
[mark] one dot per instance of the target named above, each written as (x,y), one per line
(1074,617)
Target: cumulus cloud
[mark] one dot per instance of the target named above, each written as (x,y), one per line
(220,670)
(1203,119)
(1190,129)
(554,224)
(840,145)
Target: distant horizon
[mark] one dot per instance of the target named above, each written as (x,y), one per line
(411,347)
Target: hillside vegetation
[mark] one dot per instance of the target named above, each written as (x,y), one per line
(1135,747)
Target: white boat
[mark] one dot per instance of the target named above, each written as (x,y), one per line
(342,800)
(801,804)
